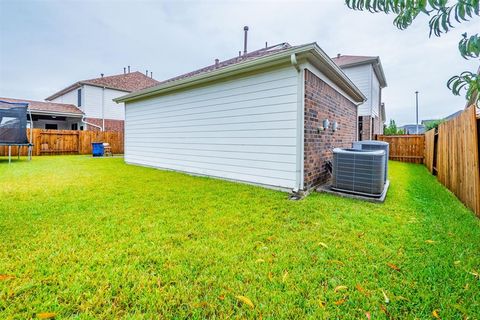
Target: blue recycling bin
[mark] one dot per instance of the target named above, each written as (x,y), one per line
(97,149)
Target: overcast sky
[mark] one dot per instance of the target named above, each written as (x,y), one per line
(48,45)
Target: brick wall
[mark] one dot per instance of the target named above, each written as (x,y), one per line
(366,127)
(110,125)
(324,102)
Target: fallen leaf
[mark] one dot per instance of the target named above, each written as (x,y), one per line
(394,267)
(361,234)
(46,315)
(338,288)
(339,302)
(6,276)
(435,314)
(221,297)
(270,238)
(387,301)
(475,273)
(202,304)
(260,260)
(323,245)
(246,301)
(285,276)
(359,288)
(429,241)
(322,303)
(270,276)
(367,314)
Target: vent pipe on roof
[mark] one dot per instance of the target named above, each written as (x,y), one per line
(146,72)
(216,63)
(239,53)
(124,70)
(338,55)
(151,74)
(128,69)
(266,44)
(245,29)
(101,74)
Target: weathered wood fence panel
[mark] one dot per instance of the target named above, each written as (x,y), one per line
(458,158)
(429,149)
(405,148)
(60,142)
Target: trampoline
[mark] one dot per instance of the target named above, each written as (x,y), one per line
(13,127)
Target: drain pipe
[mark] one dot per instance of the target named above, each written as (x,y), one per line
(293,60)
(103,109)
(91,124)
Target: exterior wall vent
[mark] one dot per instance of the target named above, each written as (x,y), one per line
(359,171)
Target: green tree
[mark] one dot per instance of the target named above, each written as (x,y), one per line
(443,13)
(433,124)
(392,129)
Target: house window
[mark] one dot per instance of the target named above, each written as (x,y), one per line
(81,128)
(51,126)
(74,126)
(79,97)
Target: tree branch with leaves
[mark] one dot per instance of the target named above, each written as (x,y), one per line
(443,15)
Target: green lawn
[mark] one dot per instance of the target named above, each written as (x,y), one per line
(95,238)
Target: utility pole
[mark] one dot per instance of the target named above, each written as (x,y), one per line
(416,106)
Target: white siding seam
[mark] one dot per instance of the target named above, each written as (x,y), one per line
(214,92)
(216,111)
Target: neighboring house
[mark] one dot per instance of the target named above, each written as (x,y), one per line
(49,115)
(270,117)
(94,98)
(412,128)
(367,74)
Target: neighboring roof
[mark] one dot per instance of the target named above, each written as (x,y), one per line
(270,56)
(128,82)
(38,107)
(241,58)
(412,128)
(347,61)
(453,115)
(449,117)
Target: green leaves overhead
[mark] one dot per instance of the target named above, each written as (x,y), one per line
(466,80)
(469,47)
(407,10)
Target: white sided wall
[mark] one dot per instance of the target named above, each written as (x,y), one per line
(242,129)
(68,98)
(365,79)
(92,104)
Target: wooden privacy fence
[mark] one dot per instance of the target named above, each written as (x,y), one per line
(405,148)
(57,142)
(452,153)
